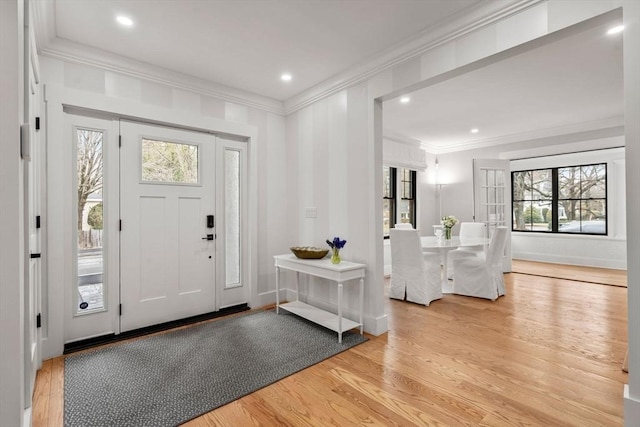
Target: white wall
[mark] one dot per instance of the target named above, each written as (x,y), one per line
(632,137)
(12,402)
(609,251)
(598,251)
(441,57)
(330,151)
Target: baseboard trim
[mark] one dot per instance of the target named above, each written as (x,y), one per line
(110,338)
(631,409)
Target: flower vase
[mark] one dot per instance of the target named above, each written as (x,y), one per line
(335,256)
(447,233)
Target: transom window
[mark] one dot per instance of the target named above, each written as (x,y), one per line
(169,162)
(570,199)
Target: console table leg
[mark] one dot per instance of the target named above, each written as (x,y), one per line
(277,290)
(361,305)
(339,312)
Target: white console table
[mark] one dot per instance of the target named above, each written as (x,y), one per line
(339,273)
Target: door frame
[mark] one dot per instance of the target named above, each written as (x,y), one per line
(502,165)
(79,326)
(57,99)
(230,296)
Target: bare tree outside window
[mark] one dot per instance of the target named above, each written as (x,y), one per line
(169,162)
(578,194)
(90,291)
(89,165)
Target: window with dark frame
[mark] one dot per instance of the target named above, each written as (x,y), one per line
(570,200)
(407,204)
(389,199)
(399,201)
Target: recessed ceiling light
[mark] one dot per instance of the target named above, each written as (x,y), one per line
(616,29)
(474,130)
(124,20)
(286,77)
(405,99)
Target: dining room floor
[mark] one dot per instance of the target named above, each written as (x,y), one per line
(603,276)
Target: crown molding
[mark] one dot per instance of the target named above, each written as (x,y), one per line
(68,51)
(43,15)
(586,130)
(457,26)
(49,45)
(401,139)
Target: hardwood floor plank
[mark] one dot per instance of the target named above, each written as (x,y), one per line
(547,353)
(606,276)
(56,398)
(41,393)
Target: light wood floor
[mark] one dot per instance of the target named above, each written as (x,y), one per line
(548,353)
(603,276)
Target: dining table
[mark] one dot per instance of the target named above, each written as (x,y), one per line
(444,246)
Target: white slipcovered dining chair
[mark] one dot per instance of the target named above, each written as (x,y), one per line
(404,226)
(467,230)
(414,275)
(481,276)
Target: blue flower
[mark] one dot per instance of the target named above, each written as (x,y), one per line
(337,243)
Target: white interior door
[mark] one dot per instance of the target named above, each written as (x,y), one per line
(492,198)
(167,191)
(32,169)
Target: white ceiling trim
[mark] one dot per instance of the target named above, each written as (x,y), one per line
(72,52)
(44,22)
(553,132)
(485,14)
(395,137)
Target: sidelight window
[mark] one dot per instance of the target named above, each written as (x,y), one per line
(90,224)
(232,211)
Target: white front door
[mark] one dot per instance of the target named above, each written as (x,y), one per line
(167,246)
(492,198)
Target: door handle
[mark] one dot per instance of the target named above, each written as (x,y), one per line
(208,237)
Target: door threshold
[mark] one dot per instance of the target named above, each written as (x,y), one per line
(72,347)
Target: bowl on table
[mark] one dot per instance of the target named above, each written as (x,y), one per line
(309,252)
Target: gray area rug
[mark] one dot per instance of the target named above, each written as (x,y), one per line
(168,379)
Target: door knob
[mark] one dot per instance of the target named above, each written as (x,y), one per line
(208,237)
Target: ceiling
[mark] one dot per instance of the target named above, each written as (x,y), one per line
(569,85)
(248,44)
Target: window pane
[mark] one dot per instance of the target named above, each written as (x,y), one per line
(589,216)
(521,184)
(541,185)
(492,195)
(406,177)
(89,220)
(232,216)
(386,182)
(569,183)
(169,162)
(491,175)
(405,211)
(519,222)
(386,216)
(593,181)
